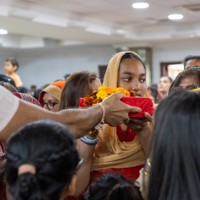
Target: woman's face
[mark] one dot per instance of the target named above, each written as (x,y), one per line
(132,76)
(50,103)
(164,84)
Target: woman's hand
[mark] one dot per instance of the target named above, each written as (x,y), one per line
(143,127)
(139,125)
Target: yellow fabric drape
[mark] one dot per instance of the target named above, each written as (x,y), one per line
(110,152)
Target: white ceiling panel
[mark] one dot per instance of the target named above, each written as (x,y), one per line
(113,21)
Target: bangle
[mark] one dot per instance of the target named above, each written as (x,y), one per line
(145,172)
(89,141)
(93,131)
(147,167)
(104,112)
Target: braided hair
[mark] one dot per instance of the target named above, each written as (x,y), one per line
(51,149)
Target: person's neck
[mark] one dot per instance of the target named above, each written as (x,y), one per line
(10,73)
(162,94)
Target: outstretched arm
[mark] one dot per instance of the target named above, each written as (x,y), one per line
(80,121)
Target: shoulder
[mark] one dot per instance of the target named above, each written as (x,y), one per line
(17,79)
(9,104)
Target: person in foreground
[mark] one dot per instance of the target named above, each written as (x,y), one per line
(112,187)
(15,113)
(42,162)
(175,163)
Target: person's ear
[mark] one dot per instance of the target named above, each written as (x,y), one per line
(71,189)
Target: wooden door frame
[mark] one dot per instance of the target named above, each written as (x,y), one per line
(164,67)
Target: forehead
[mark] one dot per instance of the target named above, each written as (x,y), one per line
(193,62)
(190,80)
(164,79)
(8,63)
(132,66)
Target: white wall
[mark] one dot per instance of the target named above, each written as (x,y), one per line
(172,52)
(41,66)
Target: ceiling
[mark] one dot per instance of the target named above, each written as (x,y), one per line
(43,23)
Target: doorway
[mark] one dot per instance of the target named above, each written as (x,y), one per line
(171,69)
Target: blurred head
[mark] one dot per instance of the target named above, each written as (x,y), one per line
(127,70)
(186,80)
(33,88)
(23,89)
(191,61)
(11,65)
(112,187)
(50,96)
(175,148)
(77,85)
(164,84)
(42,161)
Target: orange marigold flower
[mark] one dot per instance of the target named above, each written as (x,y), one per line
(101,93)
(88,101)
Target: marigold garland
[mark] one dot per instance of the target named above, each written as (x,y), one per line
(101,93)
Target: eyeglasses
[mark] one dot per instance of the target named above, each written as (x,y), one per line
(50,105)
(193,68)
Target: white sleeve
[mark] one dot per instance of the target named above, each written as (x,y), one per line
(8,107)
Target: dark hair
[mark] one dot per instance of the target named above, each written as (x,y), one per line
(13,61)
(37,94)
(175,151)
(33,87)
(23,89)
(169,78)
(183,75)
(187,58)
(7,79)
(153,91)
(51,149)
(77,85)
(112,187)
(132,56)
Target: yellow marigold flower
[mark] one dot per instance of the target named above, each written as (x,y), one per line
(102,92)
(125,92)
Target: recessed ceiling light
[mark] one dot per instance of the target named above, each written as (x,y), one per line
(140,5)
(120,31)
(175,16)
(3,31)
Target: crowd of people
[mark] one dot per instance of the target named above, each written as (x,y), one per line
(53,149)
